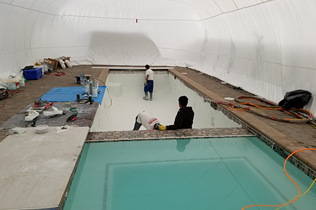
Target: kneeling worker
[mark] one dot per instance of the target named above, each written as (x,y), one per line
(184,118)
(147,120)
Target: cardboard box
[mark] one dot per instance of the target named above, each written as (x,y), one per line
(52,62)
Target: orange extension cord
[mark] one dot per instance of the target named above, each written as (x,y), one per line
(299,191)
(273,106)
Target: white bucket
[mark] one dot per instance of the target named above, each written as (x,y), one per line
(94,92)
(22,82)
(95,89)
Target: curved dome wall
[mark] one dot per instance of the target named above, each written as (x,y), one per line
(268,49)
(265,47)
(113,32)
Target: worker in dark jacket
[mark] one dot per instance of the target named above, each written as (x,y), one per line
(184,118)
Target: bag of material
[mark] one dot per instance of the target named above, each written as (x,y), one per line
(295,99)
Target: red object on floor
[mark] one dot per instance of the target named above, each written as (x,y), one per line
(48,105)
(59,73)
(72,118)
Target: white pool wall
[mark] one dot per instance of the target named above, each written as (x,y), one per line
(124,101)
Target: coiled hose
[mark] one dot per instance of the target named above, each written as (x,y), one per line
(246,107)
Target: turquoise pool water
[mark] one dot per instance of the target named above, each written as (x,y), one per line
(185,174)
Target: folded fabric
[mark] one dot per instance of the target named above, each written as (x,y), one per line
(16,130)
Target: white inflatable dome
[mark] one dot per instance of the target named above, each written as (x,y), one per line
(266,47)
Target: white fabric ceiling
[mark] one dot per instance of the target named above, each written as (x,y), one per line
(265,47)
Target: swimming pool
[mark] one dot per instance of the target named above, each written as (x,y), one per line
(124,101)
(186,174)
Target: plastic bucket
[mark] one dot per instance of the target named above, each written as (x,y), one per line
(11,85)
(22,82)
(95,89)
(94,92)
(86,88)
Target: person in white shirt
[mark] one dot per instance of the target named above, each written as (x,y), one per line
(149,83)
(147,120)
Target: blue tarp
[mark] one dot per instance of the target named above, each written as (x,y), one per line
(65,94)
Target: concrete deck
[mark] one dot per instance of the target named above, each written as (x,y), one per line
(36,168)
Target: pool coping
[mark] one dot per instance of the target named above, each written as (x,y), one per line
(169,134)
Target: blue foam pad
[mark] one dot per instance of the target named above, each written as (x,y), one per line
(65,94)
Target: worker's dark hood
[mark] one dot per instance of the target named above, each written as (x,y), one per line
(188,110)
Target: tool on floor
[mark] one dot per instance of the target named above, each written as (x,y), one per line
(48,105)
(55,111)
(38,109)
(40,103)
(85,99)
(91,100)
(85,96)
(31,115)
(56,115)
(72,117)
(59,73)
(79,78)
(84,79)
(33,124)
(3,93)
(73,109)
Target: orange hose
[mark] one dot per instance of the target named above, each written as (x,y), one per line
(237,109)
(310,114)
(276,108)
(301,120)
(299,191)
